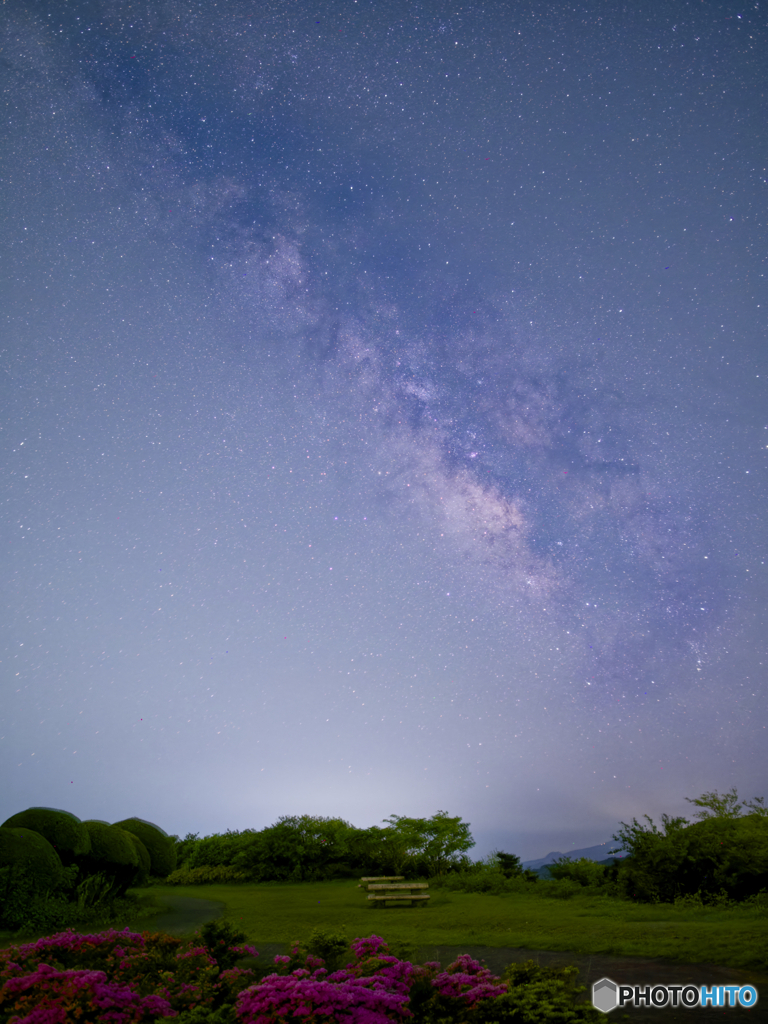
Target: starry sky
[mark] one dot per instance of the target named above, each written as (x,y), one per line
(383,411)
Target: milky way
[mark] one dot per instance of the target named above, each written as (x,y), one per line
(383,414)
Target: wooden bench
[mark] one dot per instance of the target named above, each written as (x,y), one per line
(391,887)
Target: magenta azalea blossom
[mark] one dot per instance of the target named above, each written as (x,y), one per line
(57,997)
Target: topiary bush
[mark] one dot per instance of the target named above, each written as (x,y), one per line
(113,854)
(145,861)
(31,872)
(63,830)
(23,849)
(160,846)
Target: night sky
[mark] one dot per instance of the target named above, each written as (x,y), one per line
(383,412)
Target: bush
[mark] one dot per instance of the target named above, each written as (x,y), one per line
(22,900)
(466,993)
(218,850)
(145,861)
(23,849)
(112,854)
(718,854)
(96,890)
(538,995)
(509,863)
(91,976)
(78,995)
(160,846)
(331,947)
(205,876)
(222,941)
(565,889)
(28,910)
(100,977)
(64,831)
(584,871)
(488,881)
(298,848)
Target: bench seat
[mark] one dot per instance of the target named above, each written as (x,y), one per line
(399,896)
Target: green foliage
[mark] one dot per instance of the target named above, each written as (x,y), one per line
(510,864)
(185,847)
(204,1015)
(218,937)
(757,806)
(436,840)
(216,850)
(145,861)
(562,889)
(112,854)
(716,806)
(718,853)
(726,806)
(583,871)
(160,846)
(64,831)
(312,848)
(205,876)
(21,848)
(29,910)
(533,995)
(332,947)
(297,848)
(540,995)
(24,903)
(96,890)
(488,881)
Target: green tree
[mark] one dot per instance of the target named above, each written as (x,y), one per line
(716,806)
(654,855)
(726,806)
(719,853)
(298,847)
(437,839)
(510,864)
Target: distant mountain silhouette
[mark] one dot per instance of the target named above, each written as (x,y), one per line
(597,853)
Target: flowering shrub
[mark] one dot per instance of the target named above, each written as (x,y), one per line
(465,978)
(374,988)
(49,996)
(146,964)
(122,977)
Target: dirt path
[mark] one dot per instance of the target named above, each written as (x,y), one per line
(185,915)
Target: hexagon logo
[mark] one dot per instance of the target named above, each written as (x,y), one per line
(604,995)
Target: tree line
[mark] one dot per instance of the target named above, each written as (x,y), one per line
(305,848)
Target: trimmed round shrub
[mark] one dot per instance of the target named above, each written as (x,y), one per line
(23,850)
(145,861)
(64,831)
(112,853)
(160,846)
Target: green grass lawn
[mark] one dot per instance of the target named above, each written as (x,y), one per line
(584,924)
